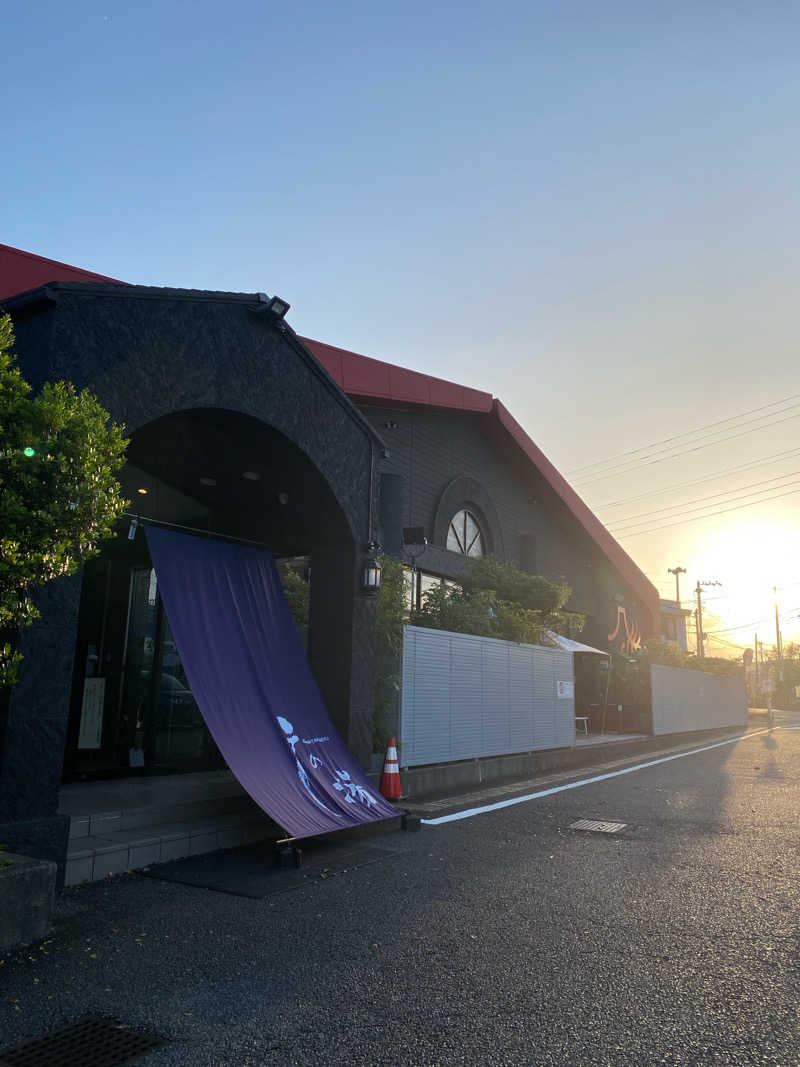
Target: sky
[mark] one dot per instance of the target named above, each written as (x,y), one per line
(589,210)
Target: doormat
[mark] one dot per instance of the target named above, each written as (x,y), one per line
(252,870)
(87,1043)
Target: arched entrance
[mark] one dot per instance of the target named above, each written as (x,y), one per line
(229,475)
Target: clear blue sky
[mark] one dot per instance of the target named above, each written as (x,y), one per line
(588,209)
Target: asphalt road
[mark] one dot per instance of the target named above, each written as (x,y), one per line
(501,939)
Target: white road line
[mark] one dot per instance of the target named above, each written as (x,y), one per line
(470,812)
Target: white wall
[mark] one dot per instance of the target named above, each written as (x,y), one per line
(465,697)
(691,700)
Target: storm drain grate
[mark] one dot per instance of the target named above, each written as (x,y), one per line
(87,1043)
(597,826)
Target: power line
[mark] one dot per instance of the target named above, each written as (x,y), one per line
(710,515)
(752,464)
(686,433)
(711,496)
(742,626)
(698,448)
(721,641)
(748,625)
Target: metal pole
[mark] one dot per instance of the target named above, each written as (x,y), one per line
(700,650)
(778,642)
(677,571)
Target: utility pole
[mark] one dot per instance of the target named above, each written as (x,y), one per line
(701,654)
(778,648)
(778,641)
(756,689)
(677,571)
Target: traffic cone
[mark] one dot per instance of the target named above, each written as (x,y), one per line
(390,780)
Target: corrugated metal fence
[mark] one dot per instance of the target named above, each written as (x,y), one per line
(465,697)
(691,700)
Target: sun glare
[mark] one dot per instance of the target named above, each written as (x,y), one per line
(749,558)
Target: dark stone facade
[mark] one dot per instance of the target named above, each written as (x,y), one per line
(449,459)
(38,708)
(147,354)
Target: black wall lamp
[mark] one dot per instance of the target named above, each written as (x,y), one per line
(371,576)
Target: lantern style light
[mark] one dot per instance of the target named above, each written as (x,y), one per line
(371,579)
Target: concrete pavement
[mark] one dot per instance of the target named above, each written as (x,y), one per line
(505,938)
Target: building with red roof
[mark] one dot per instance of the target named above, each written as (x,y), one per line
(241,427)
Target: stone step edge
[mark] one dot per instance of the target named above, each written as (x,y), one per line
(106,822)
(144,835)
(93,865)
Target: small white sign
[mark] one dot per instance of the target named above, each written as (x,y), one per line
(565,690)
(91,728)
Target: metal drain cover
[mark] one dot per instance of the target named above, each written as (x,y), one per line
(87,1043)
(598,827)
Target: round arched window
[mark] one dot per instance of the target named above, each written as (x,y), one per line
(464,534)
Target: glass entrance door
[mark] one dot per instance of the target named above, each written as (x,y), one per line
(133,711)
(166,728)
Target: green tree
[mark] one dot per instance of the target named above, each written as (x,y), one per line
(499,600)
(59,496)
(389,619)
(669,654)
(298,596)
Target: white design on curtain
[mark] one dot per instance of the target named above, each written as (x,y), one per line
(352,790)
(343,784)
(302,773)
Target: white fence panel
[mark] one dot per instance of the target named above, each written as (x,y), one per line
(691,700)
(465,697)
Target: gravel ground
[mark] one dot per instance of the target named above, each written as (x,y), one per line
(505,938)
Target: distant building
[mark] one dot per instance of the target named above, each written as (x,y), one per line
(673,622)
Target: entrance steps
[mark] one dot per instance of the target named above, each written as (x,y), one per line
(177,819)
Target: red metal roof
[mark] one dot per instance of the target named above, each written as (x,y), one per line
(20,271)
(364,378)
(613,551)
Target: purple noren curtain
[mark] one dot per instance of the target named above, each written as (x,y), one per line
(249,675)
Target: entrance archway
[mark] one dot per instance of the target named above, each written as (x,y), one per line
(225,474)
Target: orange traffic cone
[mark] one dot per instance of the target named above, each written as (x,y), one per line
(390,780)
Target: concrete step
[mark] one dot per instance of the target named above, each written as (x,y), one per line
(102,823)
(113,848)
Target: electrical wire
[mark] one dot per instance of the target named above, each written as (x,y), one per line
(630,526)
(697,448)
(756,622)
(646,515)
(710,515)
(686,433)
(751,465)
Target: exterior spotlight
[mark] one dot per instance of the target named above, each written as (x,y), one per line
(275,304)
(142,490)
(414,535)
(372,575)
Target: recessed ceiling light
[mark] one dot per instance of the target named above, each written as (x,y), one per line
(142,490)
(208,481)
(251,476)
